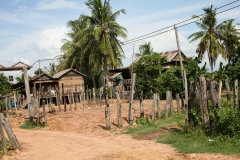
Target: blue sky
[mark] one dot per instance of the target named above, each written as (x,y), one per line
(31,30)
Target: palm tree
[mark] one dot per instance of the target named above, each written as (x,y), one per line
(209,38)
(229,35)
(145,49)
(94,42)
(51,69)
(219,76)
(105,30)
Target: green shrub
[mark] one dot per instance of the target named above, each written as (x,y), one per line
(30,125)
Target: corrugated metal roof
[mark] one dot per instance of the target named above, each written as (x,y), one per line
(113,75)
(170,55)
(61,73)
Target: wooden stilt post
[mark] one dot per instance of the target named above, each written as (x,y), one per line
(44,114)
(64,98)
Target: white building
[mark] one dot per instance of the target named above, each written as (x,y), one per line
(14,71)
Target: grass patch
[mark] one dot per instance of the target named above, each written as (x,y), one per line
(196,141)
(155,126)
(30,125)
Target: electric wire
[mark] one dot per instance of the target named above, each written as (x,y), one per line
(176,27)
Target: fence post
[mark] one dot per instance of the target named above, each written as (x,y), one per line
(141,104)
(236,93)
(203,102)
(154,101)
(178,103)
(64,98)
(119,113)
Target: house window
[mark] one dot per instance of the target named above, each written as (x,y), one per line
(10,78)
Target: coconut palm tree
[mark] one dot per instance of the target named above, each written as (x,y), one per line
(51,69)
(209,38)
(105,30)
(219,76)
(94,41)
(229,35)
(145,49)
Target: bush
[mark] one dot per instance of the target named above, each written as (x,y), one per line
(30,125)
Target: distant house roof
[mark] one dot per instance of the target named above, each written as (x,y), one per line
(113,75)
(172,55)
(41,75)
(16,66)
(1,66)
(62,73)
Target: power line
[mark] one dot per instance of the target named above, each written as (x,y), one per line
(131,42)
(134,39)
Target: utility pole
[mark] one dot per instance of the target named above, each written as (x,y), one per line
(184,78)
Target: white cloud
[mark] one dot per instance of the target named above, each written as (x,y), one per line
(22,8)
(50,40)
(35,46)
(16,1)
(24,60)
(55,4)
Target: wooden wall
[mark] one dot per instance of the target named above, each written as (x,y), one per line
(70,83)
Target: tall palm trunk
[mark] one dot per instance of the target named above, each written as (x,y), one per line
(107,108)
(93,78)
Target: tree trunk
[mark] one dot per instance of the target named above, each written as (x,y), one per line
(220,89)
(93,78)
(107,108)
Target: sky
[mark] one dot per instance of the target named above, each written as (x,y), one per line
(32,30)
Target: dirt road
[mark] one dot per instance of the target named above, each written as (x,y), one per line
(81,135)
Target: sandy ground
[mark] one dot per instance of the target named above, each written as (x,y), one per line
(81,135)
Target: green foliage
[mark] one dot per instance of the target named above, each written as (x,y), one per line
(39,70)
(196,141)
(29,125)
(229,125)
(171,80)
(148,69)
(9,147)
(209,41)
(154,126)
(144,120)
(5,85)
(193,71)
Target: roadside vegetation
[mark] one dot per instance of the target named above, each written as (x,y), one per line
(30,125)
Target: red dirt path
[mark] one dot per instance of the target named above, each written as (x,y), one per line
(81,135)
